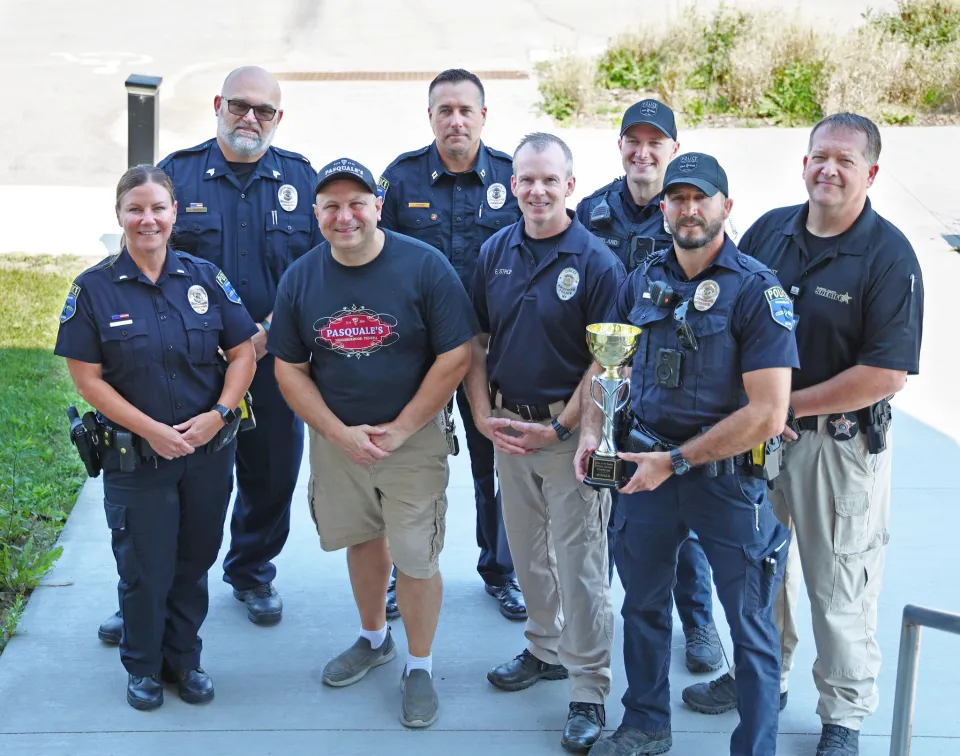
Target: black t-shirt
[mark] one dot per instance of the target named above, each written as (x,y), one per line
(370,332)
(540,248)
(818,247)
(861,303)
(242,170)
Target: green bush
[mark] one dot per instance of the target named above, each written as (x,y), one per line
(794,97)
(920,23)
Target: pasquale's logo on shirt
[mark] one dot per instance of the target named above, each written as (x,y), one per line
(356,331)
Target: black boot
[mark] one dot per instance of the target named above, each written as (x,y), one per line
(193,685)
(144,693)
(111,629)
(584,726)
(523,671)
(264,606)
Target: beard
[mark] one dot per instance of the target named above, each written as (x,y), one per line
(244,146)
(696,238)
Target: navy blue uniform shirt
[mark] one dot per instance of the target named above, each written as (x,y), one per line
(370,332)
(741,319)
(861,303)
(630,231)
(453,212)
(157,342)
(537,314)
(253,230)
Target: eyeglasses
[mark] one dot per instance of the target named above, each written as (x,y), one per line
(260,112)
(684,331)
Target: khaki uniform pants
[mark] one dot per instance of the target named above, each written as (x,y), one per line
(557,531)
(835,497)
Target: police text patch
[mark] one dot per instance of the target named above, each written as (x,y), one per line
(70,306)
(781,308)
(228,288)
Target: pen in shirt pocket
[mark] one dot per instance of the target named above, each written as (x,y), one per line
(480,211)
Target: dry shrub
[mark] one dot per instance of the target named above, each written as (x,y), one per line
(566,87)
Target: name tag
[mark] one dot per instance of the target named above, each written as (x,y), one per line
(418,204)
(121,323)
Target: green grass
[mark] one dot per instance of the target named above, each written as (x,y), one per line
(739,67)
(40,474)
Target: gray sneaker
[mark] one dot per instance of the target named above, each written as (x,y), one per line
(419,704)
(356,661)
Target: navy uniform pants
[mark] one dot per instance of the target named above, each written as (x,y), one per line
(268,463)
(167,526)
(495,565)
(733,518)
(693,593)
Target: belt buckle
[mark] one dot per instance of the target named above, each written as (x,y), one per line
(526,411)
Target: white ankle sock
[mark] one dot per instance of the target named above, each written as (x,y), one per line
(376,637)
(418,662)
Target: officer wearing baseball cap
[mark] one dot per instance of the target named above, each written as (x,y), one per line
(711,383)
(625,214)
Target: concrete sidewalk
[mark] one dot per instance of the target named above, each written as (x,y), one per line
(62,691)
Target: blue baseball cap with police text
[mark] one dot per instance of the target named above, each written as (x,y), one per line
(652,112)
(699,170)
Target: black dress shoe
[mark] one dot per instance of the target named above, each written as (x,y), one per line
(393,611)
(512,605)
(144,693)
(523,671)
(193,685)
(584,726)
(111,629)
(264,606)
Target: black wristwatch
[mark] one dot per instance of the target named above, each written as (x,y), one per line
(562,433)
(679,462)
(265,324)
(228,415)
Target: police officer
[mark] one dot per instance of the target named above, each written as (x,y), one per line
(710,382)
(452,194)
(246,206)
(538,284)
(857,287)
(141,333)
(625,215)
(372,337)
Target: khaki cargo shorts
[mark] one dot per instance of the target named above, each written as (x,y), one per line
(402,497)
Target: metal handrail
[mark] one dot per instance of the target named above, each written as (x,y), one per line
(914,618)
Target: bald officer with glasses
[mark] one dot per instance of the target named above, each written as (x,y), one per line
(247,207)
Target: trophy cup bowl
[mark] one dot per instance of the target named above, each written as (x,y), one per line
(612,345)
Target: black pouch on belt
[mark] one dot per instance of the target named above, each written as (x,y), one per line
(123,443)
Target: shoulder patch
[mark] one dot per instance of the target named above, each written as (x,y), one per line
(781,308)
(383,183)
(70,306)
(228,288)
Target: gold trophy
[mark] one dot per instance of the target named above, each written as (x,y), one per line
(612,345)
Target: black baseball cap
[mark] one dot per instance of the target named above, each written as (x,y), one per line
(653,112)
(345,168)
(699,170)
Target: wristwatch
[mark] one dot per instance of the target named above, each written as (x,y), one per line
(265,324)
(679,462)
(562,433)
(228,415)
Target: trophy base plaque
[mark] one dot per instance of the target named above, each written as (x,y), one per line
(605,472)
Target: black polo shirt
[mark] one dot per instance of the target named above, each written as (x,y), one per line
(537,313)
(859,301)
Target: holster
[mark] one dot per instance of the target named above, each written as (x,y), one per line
(877,418)
(85,440)
(449,427)
(767,459)
(227,433)
(247,419)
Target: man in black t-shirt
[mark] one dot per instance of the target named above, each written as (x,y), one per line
(371,331)
(858,295)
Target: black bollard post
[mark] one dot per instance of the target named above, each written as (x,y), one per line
(143,119)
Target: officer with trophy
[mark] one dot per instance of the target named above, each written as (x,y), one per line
(692,446)
(538,284)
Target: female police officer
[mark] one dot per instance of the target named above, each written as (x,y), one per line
(141,334)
